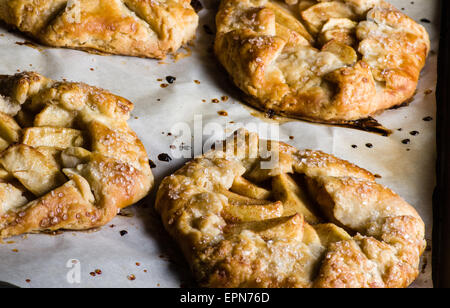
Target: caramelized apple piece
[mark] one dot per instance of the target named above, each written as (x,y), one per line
(9,129)
(344,52)
(339,29)
(247,213)
(242,200)
(72,157)
(61,138)
(248,189)
(330,233)
(294,198)
(35,171)
(3,144)
(81,183)
(306,4)
(52,153)
(52,116)
(5,176)
(280,228)
(317,15)
(289,22)
(310,236)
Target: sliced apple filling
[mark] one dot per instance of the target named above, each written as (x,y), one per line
(35,171)
(61,138)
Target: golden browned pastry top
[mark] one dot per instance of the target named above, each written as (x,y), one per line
(311,220)
(68,159)
(143,28)
(323,61)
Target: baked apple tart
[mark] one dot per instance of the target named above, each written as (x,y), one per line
(312,220)
(321,61)
(142,28)
(68,159)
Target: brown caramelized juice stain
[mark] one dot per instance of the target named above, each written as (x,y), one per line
(406,141)
(152,164)
(31,45)
(402,105)
(96,272)
(368,125)
(181,55)
(126,212)
(265,116)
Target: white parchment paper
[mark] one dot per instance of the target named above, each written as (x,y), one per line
(146,251)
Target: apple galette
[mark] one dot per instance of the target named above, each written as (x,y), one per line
(322,61)
(68,159)
(309,220)
(143,28)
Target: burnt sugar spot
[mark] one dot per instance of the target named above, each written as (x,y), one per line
(369,125)
(171,79)
(164,157)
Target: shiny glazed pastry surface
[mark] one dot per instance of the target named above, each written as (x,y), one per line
(68,159)
(143,28)
(310,220)
(322,61)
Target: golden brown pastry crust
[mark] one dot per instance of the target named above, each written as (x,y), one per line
(68,159)
(312,220)
(142,28)
(323,61)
